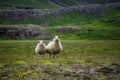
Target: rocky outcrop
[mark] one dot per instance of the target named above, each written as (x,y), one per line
(114,5)
(93,9)
(23,32)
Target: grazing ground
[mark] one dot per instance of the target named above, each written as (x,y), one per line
(80,60)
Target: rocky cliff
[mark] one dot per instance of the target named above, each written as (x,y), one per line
(93,9)
(23,32)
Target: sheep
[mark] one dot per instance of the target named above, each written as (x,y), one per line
(54,47)
(40,48)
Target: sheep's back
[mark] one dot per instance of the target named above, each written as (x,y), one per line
(40,49)
(53,48)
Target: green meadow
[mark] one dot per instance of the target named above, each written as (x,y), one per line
(92,53)
(18,60)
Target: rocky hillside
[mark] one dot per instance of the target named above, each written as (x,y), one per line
(84,13)
(49,4)
(93,9)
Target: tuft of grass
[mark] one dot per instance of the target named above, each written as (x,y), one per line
(2,65)
(20,62)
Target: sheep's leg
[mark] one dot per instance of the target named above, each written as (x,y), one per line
(50,56)
(54,56)
(42,55)
(57,56)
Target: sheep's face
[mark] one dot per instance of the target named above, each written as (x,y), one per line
(56,38)
(41,42)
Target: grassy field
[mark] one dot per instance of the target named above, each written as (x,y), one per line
(37,4)
(80,60)
(93,53)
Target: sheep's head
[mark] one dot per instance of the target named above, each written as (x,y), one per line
(56,38)
(41,42)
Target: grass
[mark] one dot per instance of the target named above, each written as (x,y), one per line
(89,49)
(23,51)
(85,34)
(19,61)
(37,4)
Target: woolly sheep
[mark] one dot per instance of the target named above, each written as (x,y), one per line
(40,48)
(54,47)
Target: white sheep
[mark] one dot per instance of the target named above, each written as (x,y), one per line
(40,48)
(54,47)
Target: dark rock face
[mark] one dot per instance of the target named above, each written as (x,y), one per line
(93,9)
(12,32)
(114,5)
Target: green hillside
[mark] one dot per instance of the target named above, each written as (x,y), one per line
(39,4)
(104,28)
(90,37)
(92,27)
(49,4)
